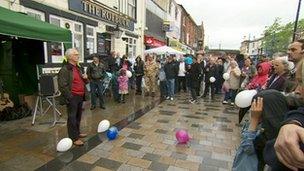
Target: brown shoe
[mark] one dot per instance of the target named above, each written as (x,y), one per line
(78,142)
(83,135)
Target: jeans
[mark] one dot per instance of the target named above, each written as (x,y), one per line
(97,89)
(211,86)
(170,87)
(230,95)
(246,158)
(74,110)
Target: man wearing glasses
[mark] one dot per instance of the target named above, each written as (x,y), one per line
(71,82)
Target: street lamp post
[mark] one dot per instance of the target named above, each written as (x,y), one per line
(296,22)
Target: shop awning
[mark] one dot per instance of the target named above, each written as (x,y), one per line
(21,25)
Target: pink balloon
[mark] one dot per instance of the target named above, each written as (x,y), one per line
(182,136)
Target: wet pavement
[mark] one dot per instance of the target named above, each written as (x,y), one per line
(146,138)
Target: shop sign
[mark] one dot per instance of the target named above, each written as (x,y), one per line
(100,12)
(150,41)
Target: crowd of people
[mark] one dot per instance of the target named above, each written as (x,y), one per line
(276,109)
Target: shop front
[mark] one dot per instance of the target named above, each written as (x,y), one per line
(95,28)
(152,42)
(22,49)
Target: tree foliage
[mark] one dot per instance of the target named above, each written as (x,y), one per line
(277,36)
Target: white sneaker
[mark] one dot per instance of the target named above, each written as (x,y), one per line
(193,101)
(225,102)
(232,103)
(171,98)
(167,98)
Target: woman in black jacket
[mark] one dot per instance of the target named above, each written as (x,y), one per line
(139,73)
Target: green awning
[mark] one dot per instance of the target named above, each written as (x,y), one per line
(21,25)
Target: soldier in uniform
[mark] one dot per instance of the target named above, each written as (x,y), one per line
(150,71)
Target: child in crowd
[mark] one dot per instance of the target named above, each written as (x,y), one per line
(162,81)
(123,84)
(234,82)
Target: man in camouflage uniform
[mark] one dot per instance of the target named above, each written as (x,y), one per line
(150,71)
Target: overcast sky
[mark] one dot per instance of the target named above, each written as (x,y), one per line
(228,21)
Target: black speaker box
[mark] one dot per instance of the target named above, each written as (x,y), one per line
(48,85)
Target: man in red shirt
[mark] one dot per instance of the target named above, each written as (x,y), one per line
(71,81)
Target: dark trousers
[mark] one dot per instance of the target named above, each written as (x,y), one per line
(74,110)
(198,88)
(163,89)
(181,83)
(115,90)
(193,93)
(230,95)
(138,84)
(97,90)
(209,85)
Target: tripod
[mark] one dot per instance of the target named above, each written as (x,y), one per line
(52,104)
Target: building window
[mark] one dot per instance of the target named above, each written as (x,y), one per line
(78,39)
(132,8)
(90,39)
(57,50)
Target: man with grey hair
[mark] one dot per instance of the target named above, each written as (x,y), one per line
(71,82)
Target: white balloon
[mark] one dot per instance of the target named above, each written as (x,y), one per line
(291,65)
(64,144)
(109,74)
(103,126)
(212,79)
(243,99)
(129,74)
(226,76)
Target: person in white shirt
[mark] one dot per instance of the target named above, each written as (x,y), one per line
(181,81)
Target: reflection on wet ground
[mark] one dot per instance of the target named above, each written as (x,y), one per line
(146,138)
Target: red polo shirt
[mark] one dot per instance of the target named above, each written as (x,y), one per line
(77,84)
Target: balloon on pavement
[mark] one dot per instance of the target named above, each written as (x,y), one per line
(64,144)
(182,136)
(103,126)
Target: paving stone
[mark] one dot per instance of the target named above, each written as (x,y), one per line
(79,166)
(157,166)
(151,157)
(135,153)
(179,156)
(132,146)
(174,168)
(98,168)
(215,162)
(163,121)
(193,158)
(187,164)
(139,162)
(108,164)
(161,131)
(99,153)
(205,167)
(147,149)
(86,158)
(134,125)
(168,160)
(136,136)
(126,167)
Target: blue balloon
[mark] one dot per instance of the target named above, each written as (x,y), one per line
(113,128)
(112,133)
